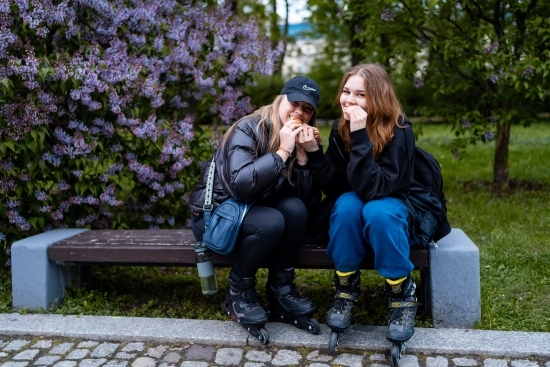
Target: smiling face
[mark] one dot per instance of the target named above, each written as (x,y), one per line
(354,94)
(300,110)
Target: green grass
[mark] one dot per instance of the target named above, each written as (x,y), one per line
(510,228)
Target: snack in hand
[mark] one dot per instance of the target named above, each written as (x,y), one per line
(296,119)
(316,133)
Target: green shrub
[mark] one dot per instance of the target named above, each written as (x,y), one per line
(100,102)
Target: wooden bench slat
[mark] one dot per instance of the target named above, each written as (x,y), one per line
(167,247)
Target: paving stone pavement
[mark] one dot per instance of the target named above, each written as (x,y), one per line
(86,341)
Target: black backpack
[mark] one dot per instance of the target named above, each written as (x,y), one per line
(427,172)
(427,201)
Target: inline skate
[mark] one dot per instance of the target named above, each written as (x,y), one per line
(341,310)
(286,304)
(242,306)
(402,311)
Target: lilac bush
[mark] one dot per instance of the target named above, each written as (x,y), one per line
(100,106)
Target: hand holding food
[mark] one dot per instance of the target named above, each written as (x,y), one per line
(316,133)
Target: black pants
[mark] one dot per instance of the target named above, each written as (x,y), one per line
(271,235)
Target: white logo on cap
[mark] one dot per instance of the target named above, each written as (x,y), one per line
(305,87)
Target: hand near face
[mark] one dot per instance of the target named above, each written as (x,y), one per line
(357,117)
(288,134)
(309,138)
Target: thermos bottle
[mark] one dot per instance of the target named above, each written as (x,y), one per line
(206,269)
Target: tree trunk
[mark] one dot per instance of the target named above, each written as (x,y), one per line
(500,168)
(276,36)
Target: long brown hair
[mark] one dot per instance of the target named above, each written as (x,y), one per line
(384,109)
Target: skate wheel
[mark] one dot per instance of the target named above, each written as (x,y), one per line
(263,336)
(314,326)
(396,352)
(333,342)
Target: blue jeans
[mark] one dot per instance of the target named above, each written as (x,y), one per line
(381,223)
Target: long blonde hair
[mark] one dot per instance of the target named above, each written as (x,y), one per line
(384,109)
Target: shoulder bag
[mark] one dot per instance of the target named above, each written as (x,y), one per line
(222,226)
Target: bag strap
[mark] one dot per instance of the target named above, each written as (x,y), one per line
(207,207)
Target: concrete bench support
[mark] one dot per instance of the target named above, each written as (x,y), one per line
(455,282)
(36,281)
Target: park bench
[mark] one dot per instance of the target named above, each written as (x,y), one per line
(45,264)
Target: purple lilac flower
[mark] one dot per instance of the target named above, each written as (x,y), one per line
(57,215)
(63,186)
(18,220)
(12,203)
(493,78)
(489,135)
(388,14)
(64,206)
(105,212)
(145,173)
(7,165)
(88,219)
(24,177)
(53,159)
(115,148)
(7,185)
(107,66)
(115,168)
(91,200)
(77,125)
(41,196)
(2,237)
(529,72)
(465,122)
(178,103)
(491,49)
(418,83)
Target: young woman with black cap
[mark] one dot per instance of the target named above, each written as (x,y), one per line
(260,162)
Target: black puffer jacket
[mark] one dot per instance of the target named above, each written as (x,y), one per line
(248,172)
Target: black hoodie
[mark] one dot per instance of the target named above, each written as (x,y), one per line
(338,171)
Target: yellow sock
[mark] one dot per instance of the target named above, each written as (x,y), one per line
(342,274)
(395,282)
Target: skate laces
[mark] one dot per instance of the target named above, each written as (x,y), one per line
(341,305)
(401,315)
(396,316)
(295,295)
(249,300)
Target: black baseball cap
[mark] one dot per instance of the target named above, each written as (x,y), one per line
(302,89)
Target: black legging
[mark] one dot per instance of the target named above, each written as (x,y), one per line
(270,236)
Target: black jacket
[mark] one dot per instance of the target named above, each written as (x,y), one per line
(248,172)
(392,175)
(338,171)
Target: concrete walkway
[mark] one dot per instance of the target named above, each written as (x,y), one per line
(89,341)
